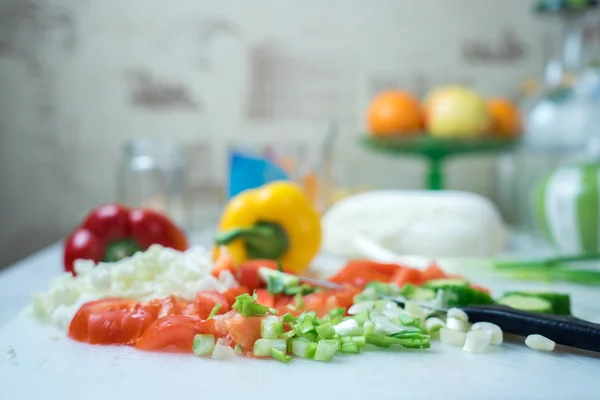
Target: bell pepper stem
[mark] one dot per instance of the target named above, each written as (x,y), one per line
(264,240)
(121,249)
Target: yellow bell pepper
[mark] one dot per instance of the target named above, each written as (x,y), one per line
(276,221)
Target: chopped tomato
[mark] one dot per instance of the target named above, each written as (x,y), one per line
(433,272)
(208,326)
(265,298)
(171,305)
(360,272)
(232,293)
(244,330)
(247,273)
(224,262)
(111,321)
(283,300)
(409,275)
(172,331)
(207,300)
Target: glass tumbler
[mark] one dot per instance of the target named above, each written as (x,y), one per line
(152,175)
(257,163)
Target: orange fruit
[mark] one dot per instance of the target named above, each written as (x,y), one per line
(394,113)
(506,118)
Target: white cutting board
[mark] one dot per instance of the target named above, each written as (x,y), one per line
(47,368)
(50,366)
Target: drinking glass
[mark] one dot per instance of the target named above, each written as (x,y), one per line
(152,175)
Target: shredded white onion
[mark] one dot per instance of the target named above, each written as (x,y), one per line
(452,337)
(496,332)
(540,343)
(477,341)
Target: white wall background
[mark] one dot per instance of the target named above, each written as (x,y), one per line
(78,77)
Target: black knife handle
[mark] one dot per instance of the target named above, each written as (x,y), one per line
(564,330)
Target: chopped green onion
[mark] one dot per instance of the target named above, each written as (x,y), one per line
(305,327)
(377,340)
(298,301)
(406,319)
(300,347)
(288,318)
(362,317)
(350,348)
(279,266)
(238,350)
(215,310)
(418,341)
(303,289)
(309,316)
(358,340)
(368,327)
(288,335)
(326,331)
(203,344)
(311,350)
(326,350)
(280,355)
(262,347)
(348,328)
(312,336)
(246,305)
(337,312)
(271,327)
(275,284)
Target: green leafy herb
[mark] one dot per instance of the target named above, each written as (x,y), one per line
(246,305)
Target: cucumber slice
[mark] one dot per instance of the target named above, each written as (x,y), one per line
(561,302)
(417,292)
(526,303)
(459,296)
(444,283)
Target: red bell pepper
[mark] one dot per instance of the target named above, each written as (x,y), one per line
(112,232)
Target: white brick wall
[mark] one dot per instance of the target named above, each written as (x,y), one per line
(79,77)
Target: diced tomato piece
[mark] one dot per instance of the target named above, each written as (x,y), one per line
(360,272)
(409,275)
(244,330)
(207,300)
(172,306)
(265,298)
(481,288)
(111,321)
(232,293)
(282,310)
(247,273)
(433,272)
(172,331)
(283,300)
(224,262)
(207,327)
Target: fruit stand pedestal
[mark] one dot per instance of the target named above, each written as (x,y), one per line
(436,151)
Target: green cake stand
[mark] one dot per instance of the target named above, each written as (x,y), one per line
(436,151)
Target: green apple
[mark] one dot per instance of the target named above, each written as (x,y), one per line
(456,112)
